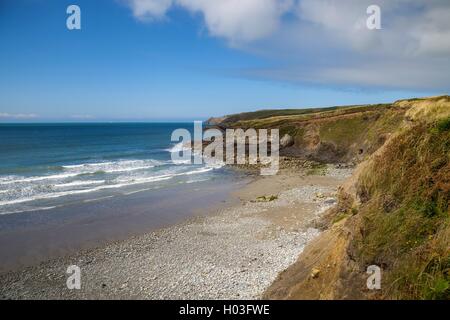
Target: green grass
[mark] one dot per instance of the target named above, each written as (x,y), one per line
(264,114)
(405,213)
(344,132)
(286,117)
(441,126)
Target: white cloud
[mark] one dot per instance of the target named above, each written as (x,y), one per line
(410,27)
(17,115)
(234,20)
(326,41)
(432,33)
(240,20)
(149,9)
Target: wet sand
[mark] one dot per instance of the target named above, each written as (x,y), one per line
(234,252)
(31,237)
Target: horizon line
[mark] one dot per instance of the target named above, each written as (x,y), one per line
(98,122)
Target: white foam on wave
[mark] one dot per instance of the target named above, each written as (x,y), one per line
(196,180)
(28,210)
(178,148)
(78,183)
(163,177)
(137,191)
(179,162)
(86,169)
(202,170)
(76,166)
(215,165)
(124,169)
(120,184)
(97,199)
(119,163)
(116,166)
(17,179)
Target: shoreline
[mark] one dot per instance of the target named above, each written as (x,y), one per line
(234,251)
(29,238)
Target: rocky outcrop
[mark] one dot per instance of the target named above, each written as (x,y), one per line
(286,141)
(215,121)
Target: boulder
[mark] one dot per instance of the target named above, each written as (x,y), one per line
(315,273)
(286,141)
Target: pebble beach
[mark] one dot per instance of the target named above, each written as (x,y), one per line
(232,252)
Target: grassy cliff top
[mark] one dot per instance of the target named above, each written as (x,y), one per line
(273,117)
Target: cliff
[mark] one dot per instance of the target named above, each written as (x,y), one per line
(394,211)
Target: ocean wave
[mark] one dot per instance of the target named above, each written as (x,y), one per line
(16,179)
(29,210)
(119,183)
(180,146)
(195,181)
(202,170)
(179,162)
(71,171)
(137,191)
(114,166)
(78,183)
(109,163)
(76,166)
(97,199)
(215,165)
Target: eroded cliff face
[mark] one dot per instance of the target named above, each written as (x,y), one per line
(331,135)
(393,213)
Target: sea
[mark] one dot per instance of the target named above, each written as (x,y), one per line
(65,187)
(44,166)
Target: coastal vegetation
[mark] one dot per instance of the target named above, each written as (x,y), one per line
(394,211)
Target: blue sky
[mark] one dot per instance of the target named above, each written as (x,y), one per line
(131,63)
